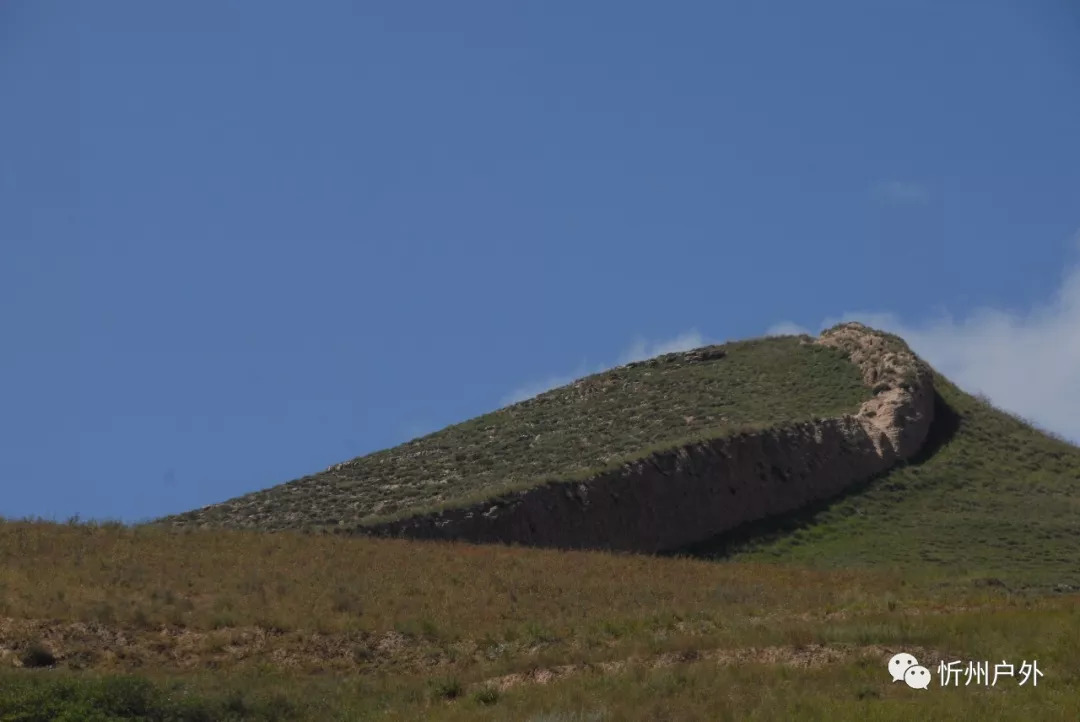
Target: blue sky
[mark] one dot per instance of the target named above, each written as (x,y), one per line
(242,241)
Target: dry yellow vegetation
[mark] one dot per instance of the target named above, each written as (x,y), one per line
(428,630)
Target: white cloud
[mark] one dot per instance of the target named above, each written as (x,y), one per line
(640,349)
(1026,362)
(535,388)
(896,192)
(415,429)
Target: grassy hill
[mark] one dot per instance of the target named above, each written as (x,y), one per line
(989,495)
(967,552)
(570,432)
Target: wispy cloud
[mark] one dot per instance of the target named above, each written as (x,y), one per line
(640,349)
(897,193)
(1026,361)
(535,388)
(416,428)
(787,328)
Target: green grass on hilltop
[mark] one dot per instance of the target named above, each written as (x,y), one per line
(592,424)
(989,495)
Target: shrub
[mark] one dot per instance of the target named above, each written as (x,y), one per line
(487,696)
(37,655)
(449,688)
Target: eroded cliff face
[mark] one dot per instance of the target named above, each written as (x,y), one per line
(673,499)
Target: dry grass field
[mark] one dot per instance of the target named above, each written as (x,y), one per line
(289,626)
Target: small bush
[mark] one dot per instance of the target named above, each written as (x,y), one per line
(449,688)
(487,696)
(37,655)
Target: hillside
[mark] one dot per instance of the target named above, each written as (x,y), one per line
(646,457)
(989,495)
(572,432)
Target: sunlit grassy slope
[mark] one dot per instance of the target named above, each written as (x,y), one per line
(990,495)
(592,424)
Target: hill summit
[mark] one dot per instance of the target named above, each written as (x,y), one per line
(649,456)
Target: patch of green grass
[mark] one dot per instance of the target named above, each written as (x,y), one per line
(571,432)
(448,688)
(993,498)
(486,696)
(76,698)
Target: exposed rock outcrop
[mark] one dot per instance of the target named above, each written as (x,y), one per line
(677,498)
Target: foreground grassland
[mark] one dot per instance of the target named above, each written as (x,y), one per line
(572,431)
(852,687)
(147,624)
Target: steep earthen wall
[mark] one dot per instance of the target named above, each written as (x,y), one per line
(673,499)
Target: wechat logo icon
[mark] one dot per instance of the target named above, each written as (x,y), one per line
(903,667)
